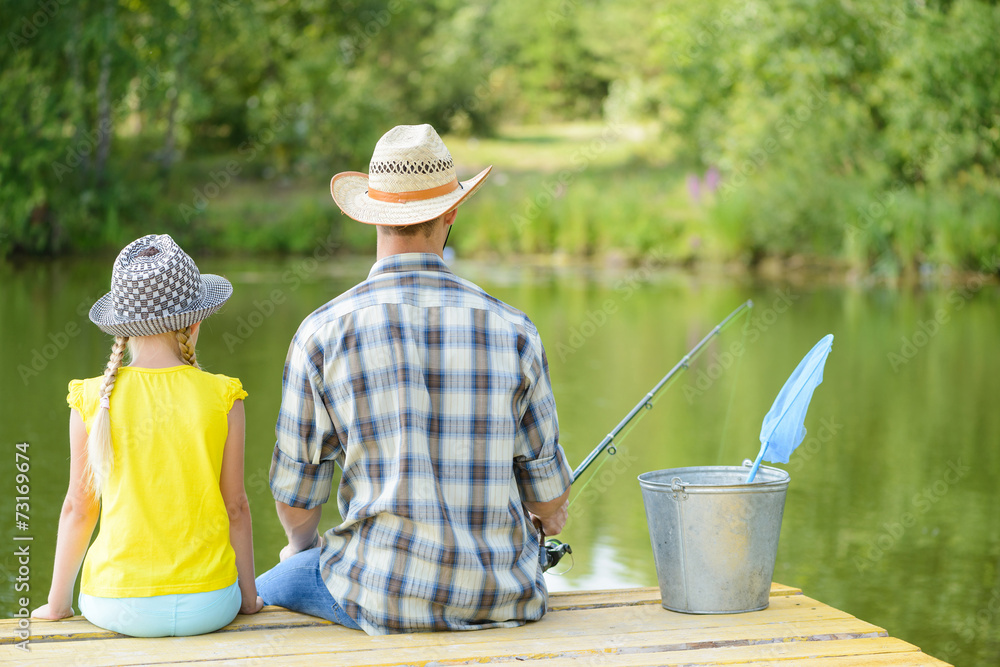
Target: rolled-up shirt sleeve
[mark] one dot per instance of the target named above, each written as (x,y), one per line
(540,465)
(302,466)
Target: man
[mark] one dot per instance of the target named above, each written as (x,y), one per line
(434,399)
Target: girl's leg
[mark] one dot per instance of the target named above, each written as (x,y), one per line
(297,584)
(164,615)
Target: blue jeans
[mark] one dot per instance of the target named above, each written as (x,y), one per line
(177,615)
(297,584)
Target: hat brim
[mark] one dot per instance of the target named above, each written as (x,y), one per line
(350,191)
(216,290)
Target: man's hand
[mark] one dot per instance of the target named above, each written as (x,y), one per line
(550,516)
(289,549)
(553,523)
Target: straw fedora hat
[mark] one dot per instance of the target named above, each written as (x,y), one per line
(156,288)
(412,179)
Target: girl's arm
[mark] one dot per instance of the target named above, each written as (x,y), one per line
(235,496)
(79,515)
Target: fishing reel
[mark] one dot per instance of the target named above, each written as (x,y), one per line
(552,553)
(553,550)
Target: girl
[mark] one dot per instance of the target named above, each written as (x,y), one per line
(157,451)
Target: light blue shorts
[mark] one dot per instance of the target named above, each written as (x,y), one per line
(164,615)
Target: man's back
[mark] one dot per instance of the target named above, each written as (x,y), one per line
(434,399)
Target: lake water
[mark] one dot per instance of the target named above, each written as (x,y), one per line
(891,512)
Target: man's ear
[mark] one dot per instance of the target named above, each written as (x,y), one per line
(449,217)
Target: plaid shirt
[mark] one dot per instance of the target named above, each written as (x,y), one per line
(434,399)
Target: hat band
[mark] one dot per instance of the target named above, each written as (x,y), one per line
(413,195)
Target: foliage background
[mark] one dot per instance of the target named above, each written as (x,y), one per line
(859,135)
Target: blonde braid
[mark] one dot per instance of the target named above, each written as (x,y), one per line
(187,347)
(100,453)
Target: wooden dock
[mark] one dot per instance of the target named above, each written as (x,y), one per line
(620,627)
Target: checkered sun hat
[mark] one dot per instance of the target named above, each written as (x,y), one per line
(156,288)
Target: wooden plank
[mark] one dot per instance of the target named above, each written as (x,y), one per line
(79,628)
(654,660)
(571,621)
(566,596)
(620,627)
(629,596)
(890,660)
(785,653)
(307,647)
(881,651)
(781,589)
(585,633)
(605,598)
(651,660)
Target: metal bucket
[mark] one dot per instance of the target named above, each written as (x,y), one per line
(715,538)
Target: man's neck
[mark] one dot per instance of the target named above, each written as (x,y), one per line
(387,246)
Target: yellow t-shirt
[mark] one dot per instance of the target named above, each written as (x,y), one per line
(164,525)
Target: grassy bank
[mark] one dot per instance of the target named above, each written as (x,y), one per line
(610,193)
(605,193)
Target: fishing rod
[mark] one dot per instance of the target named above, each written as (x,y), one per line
(554,549)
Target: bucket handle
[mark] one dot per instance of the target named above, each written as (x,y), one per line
(677,486)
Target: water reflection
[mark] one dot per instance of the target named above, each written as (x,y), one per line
(890,518)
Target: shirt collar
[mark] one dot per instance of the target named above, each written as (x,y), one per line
(408,263)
